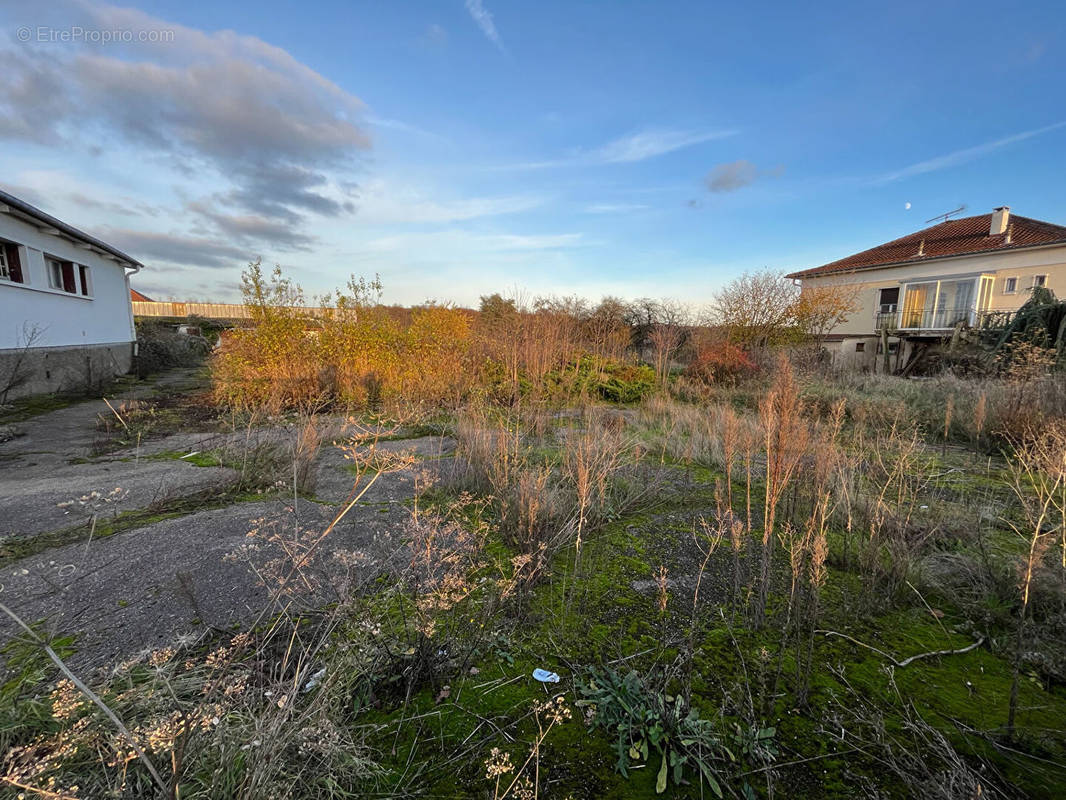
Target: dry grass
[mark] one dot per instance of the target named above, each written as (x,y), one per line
(815,486)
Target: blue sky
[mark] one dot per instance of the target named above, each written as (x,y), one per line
(460,147)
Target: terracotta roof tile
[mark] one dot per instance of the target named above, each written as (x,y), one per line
(955,237)
(137,297)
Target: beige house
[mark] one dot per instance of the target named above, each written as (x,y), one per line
(919,288)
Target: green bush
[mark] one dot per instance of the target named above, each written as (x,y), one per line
(651,725)
(613,381)
(161,347)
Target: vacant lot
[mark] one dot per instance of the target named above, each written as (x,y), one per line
(791,585)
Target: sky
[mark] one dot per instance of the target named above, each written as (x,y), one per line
(462,147)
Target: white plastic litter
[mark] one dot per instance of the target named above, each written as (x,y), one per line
(314,680)
(544,676)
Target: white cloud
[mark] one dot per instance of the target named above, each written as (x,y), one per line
(632,148)
(652,143)
(447,243)
(614,208)
(382,202)
(484,21)
(400,125)
(435,36)
(963,156)
(230,108)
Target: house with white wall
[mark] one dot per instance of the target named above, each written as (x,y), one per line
(919,288)
(66,322)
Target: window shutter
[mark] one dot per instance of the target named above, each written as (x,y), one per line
(69,284)
(14,266)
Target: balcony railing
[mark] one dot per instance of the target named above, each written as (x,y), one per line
(941,319)
(928,321)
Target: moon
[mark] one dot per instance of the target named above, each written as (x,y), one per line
(907,206)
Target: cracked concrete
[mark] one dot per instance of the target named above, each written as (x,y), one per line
(145,587)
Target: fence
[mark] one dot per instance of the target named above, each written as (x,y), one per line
(208,310)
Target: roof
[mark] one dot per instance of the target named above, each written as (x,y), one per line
(137,297)
(24,209)
(955,237)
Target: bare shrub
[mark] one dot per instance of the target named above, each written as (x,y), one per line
(916,753)
(785,437)
(1038,480)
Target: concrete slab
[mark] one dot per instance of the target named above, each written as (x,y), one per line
(71,432)
(30,495)
(334,478)
(145,588)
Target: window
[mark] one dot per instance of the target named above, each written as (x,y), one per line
(61,275)
(10,263)
(1039,281)
(860,347)
(893,348)
(86,280)
(1010,285)
(888,300)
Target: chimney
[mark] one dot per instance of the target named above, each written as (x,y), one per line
(1000,218)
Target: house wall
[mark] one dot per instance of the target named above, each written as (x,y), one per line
(62,319)
(1023,264)
(43,370)
(846,354)
(51,340)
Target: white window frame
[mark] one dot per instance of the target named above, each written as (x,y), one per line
(5,270)
(85,279)
(54,267)
(1010,285)
(55,273)
(1039,281)
(888,308)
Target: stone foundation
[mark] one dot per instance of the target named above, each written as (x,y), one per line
(44,370)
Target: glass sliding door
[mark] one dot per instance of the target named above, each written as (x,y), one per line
(941,305)
(955,303)
(918,302)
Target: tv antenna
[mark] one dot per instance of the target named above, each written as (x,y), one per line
(945,217)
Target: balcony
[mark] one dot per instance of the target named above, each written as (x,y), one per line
(934,305)
(941,319)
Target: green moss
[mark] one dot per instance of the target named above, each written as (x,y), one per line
(14,549)
(205,458)
(28,407)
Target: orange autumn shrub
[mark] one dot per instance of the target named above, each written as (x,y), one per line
(355,353)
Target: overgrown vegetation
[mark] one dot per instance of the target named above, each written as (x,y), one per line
(741,574)
(160,347)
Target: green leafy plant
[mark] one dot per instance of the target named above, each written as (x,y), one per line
(652,725)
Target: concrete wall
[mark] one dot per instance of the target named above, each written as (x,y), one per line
(846,353)
(62,369)
(61,319)
(1022,264)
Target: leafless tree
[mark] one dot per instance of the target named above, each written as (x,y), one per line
(607,328)
(667,334)
(17,371)
(758,308)
(820,309)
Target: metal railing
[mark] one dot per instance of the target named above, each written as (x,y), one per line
(941,319)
